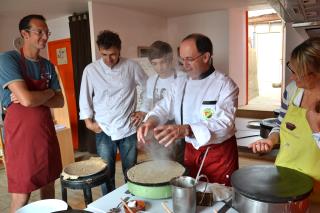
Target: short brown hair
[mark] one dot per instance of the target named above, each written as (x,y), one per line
(24,23)
(160,49)
(107,39)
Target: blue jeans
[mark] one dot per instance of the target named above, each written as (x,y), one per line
(107,150)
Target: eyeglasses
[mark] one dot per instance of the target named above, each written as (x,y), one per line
(293,72)
(289,67)
(190,59)
(40,32)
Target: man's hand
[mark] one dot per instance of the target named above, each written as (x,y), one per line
(167,134)
(137,118)
(145,131)
(14,99)
(92,125)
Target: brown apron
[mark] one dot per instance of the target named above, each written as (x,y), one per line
(32,150)
(220,163)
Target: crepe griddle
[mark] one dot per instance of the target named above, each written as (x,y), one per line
(272,184)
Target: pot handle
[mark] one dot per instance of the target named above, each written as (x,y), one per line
(205,188)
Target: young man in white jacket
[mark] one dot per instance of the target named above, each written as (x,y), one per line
(158,85)
(108,97)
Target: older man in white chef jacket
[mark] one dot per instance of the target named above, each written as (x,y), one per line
(204,105)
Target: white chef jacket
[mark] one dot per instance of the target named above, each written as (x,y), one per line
(157,88)
(216,94)
(109,95)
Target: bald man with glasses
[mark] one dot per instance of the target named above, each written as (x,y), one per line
(203,105)
(29,88)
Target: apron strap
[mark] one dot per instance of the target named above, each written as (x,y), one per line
(43,74)
(293,98)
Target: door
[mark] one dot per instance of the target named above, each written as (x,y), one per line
(59,52)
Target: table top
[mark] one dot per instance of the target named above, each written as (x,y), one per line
(111,200)
(246,135)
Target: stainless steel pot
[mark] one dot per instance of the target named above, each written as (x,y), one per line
(276,112)
(266,126)
(269,189)
(248,205)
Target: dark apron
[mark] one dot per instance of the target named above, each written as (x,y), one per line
(220,163)
(32,152)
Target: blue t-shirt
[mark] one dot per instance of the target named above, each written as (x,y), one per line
(10,71)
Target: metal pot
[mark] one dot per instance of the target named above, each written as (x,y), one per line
(269,189)
(266,126)
(276,112)
(150,191)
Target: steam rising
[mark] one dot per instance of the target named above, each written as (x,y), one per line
(157,151)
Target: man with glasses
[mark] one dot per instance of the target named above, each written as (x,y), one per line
(29,88)
(108,97)
(203,105)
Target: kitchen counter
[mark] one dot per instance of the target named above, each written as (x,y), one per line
(111,200)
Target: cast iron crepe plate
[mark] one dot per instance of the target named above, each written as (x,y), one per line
(271,184)
(151,184)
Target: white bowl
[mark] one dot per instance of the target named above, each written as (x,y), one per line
(44,206)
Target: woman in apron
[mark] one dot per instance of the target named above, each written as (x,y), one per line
(29,82)
(299,119)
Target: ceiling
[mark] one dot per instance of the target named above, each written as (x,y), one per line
(297,10)
(56,8)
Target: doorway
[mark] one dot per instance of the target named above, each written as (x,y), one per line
(265,45)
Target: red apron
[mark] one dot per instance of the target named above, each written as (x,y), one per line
(32,152)
(220,163)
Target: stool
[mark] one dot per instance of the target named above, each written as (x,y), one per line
(84,183)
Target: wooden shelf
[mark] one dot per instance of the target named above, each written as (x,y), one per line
(61,116)
(66,147)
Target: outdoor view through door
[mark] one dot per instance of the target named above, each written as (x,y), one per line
(265,39)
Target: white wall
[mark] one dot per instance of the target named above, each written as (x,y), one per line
(292,39)
(9,30)
(212,24)
(134,28)
(59,28)
(237,51)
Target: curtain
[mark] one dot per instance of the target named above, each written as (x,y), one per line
(81,57)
